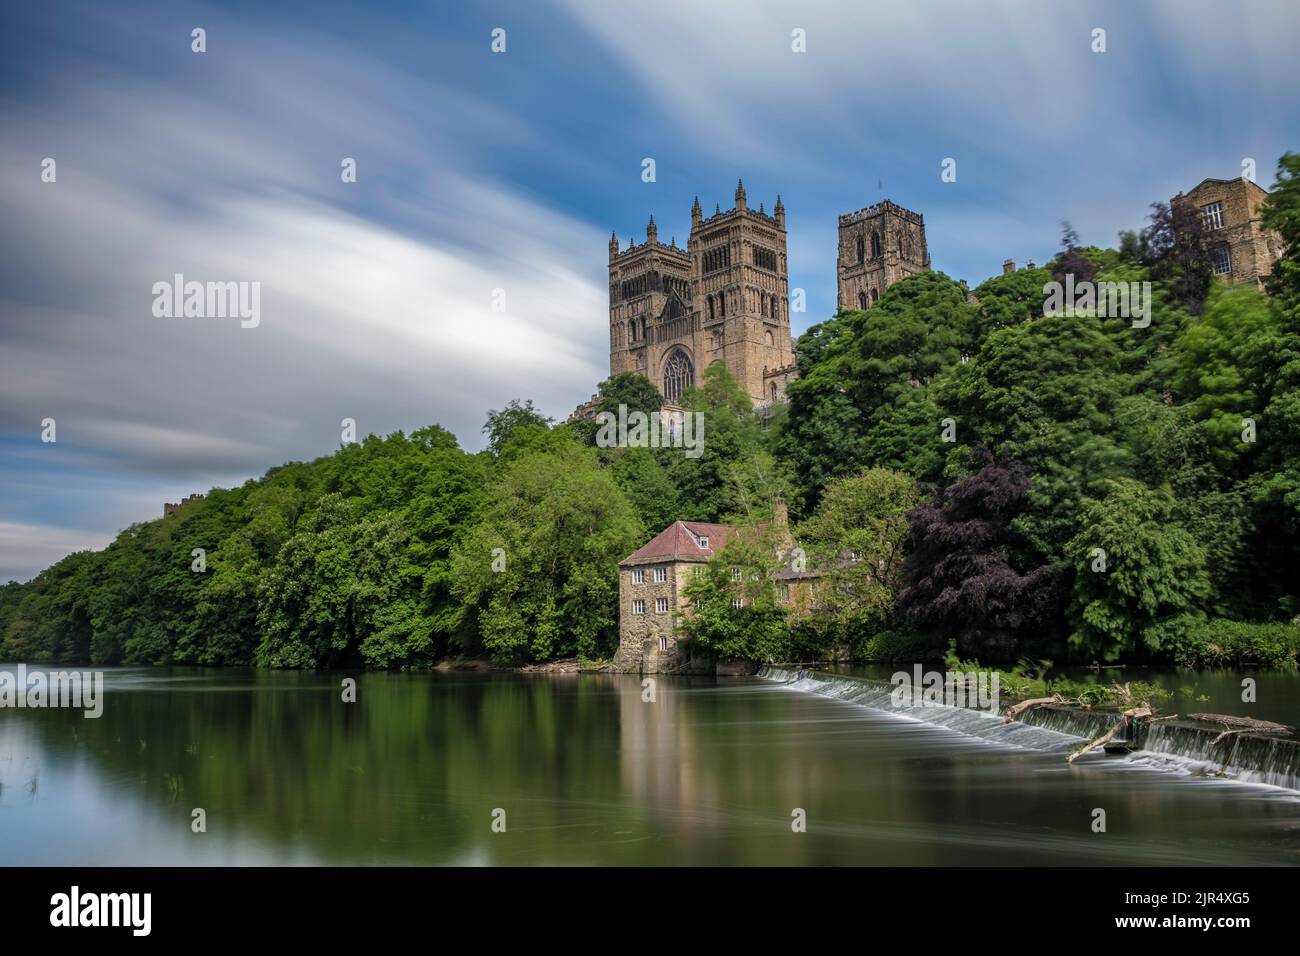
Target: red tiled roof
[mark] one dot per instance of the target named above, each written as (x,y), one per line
(676,543)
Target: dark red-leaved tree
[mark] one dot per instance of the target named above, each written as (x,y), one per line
(966,577)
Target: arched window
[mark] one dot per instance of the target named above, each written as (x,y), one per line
(862,249)
(772,391)
(877,250)
(768,337)
(900,243)
(678,374)
(776,307)
(631,330)
(722,303)
(875,295)
(710,308)
(862,300)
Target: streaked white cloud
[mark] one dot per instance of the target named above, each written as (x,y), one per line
(24,546)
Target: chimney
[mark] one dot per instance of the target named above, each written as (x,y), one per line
(1008,266)
(1030,265)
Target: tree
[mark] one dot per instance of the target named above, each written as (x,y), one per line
(1151,583)
(734,471)
(856,370)
(969,577)
(630,389)
(537,574)
(647,485)
(733,612)
(1226,365)
(1072,260)
(1046,391)
(857,540)
(1173,248)
(341,593)
(1008,300)
(502,425)
(1281,213)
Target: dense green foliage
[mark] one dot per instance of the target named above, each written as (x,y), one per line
(734,611)
(1174,447)
(1224,643)
(972,455)
(858,539)
(538,570)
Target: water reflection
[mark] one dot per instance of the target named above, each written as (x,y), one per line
(586,771)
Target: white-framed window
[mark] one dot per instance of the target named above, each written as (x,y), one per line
(1221,257)
(663,643)
(737,602)
(661,575)
(1212,216)
(638,606)
(704,541)
(783,593)
(699,571)
(638,576)
(735,574)
(661,605)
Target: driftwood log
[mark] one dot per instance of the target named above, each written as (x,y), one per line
(1015,710)
(1240,725)
(1098,742)
(1143,712)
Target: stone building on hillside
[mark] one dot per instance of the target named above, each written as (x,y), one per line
(652,584)
(171,507)
(1241,249)
(724,298)
(878,246)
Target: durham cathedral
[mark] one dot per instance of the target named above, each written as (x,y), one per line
(725,297)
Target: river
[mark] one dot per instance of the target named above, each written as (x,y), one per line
(468,768)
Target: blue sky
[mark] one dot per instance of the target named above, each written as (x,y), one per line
(479,171)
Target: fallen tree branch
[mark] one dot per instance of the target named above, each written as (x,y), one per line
(1093,744)
(1242,724)
(1015,710)
(1228,733)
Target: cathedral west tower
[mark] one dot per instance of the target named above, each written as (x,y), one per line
(724,298)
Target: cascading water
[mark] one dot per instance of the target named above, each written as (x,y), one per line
(1170,745)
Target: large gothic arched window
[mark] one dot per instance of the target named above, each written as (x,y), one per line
(678,374)
(862,249)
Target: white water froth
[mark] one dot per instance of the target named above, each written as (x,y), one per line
(1169,747)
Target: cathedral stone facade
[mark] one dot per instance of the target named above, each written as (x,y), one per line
(878,246)
(724,298)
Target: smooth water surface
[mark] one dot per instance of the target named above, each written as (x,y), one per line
(585,771)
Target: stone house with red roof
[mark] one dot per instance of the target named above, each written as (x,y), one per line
(651,592)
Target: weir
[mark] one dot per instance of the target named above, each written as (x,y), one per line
(1170,744)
